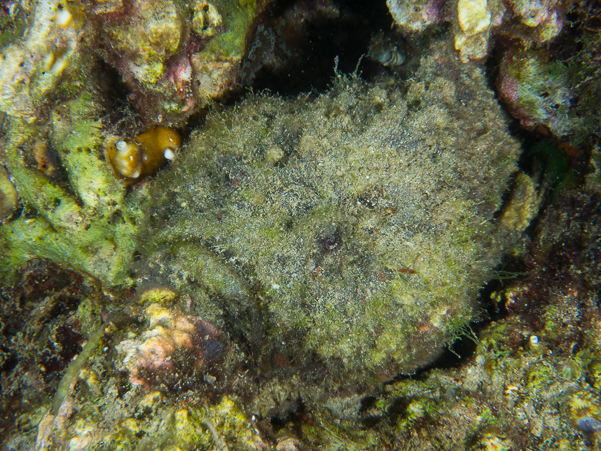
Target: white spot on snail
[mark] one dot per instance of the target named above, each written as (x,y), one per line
(63,18)
(169,153)
(120,145)
(534,340)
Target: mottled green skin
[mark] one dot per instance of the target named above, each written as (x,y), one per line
(509,393)
(356,225)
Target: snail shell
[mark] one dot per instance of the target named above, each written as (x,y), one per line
(124,158)
(144,155)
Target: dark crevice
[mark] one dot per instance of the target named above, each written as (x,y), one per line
(295,43)
(120,115)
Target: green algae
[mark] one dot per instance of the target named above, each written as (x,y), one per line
(85,222)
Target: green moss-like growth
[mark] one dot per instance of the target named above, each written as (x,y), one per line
(344,226)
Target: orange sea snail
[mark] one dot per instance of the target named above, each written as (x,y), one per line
(144,155)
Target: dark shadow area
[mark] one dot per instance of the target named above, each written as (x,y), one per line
(119,114)
(109,81)
(296,43)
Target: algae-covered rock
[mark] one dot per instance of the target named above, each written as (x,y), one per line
(476,23)
(174,56)
(537,91)
(33,65)
(355,226)
(75,212)
(558,94)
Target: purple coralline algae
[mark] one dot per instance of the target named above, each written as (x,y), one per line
(172,350)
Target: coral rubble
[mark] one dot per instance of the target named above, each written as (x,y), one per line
(32,66)
(174,57)
(548,72)
(557,88)
(172,344)
(476,22)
